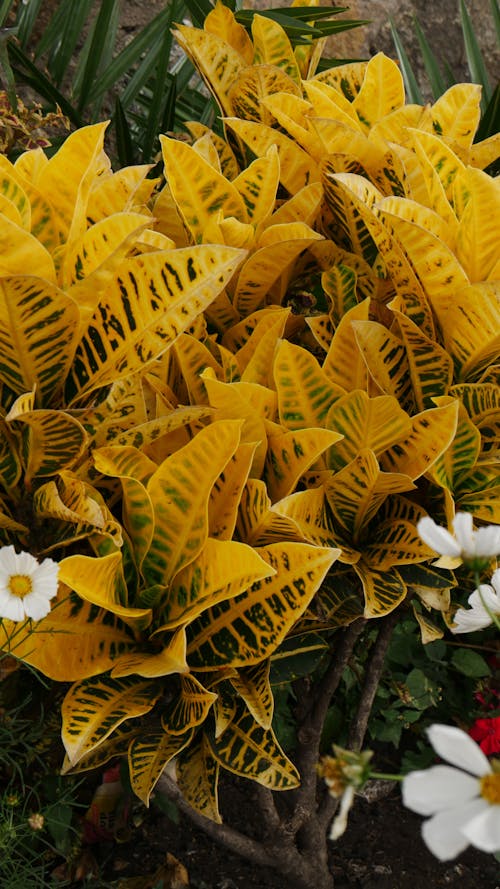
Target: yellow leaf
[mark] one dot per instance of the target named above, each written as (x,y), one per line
(179,492)
(382,90)
(223,570)
(456,114)
(38,328)
(198,190)
(243,631)
(94,707)
(272,46)
(150,665)
(432,432)
(305,392)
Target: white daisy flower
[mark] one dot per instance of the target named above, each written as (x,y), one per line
(484,607)
(26,585)
(475,548)
(463,799)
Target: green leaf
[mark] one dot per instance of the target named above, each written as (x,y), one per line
(470,663)
(475,59)
(412,87)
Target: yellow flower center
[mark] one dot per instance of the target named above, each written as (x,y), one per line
(20,585)
(490,788)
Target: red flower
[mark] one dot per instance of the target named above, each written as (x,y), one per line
(487,734)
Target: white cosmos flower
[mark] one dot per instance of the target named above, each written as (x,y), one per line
(484,602)
(26,585)
(463,799)
(476,548)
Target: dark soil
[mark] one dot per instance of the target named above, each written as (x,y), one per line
(381,849)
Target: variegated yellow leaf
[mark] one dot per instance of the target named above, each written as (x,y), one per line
(311,514)
(38,327)
(153,664)
(344,364)
(383,590)
(190,709)
(331,104)
(290,454)
(251,751)
(297,168)
(75,640)
(198,190)
(258,524)
(477,238)
(148,755)
(94,707)
(221,22)
(251,88)
(430,366)
(305,392)
(258,185)
(471,329)
(432,432)
(197,776)
(356,493)
(226,493)
(456,114)
(223,570)
(216,60)
(252,684)
(347,79)
(98,581)
(153,299)
(272,46)
(55,440)
(374,423)
(382,90)
(179,492)
(21,251)
(462,453)
(385,357)
(255,358)
(252,404)
(70,174)
(243,631)
(266,264)
(125,191)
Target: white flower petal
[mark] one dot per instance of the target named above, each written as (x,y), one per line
(470,620)
(340,822)
(495,582)
(483,831)
(36,606)
(487,541)
(440,787)
(437,538)
(464,531)
(45,578)
(26,564)
(455,746)
(11,607)
(8,559)
(443,834)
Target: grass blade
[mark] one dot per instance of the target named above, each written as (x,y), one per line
(475,59)
(495,11)
(28,73)
(61,36)
(433,71)
(27,15)
(124,143)
(101,43)
(411,85)
(5,7)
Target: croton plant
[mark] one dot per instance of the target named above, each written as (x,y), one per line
(228,396)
